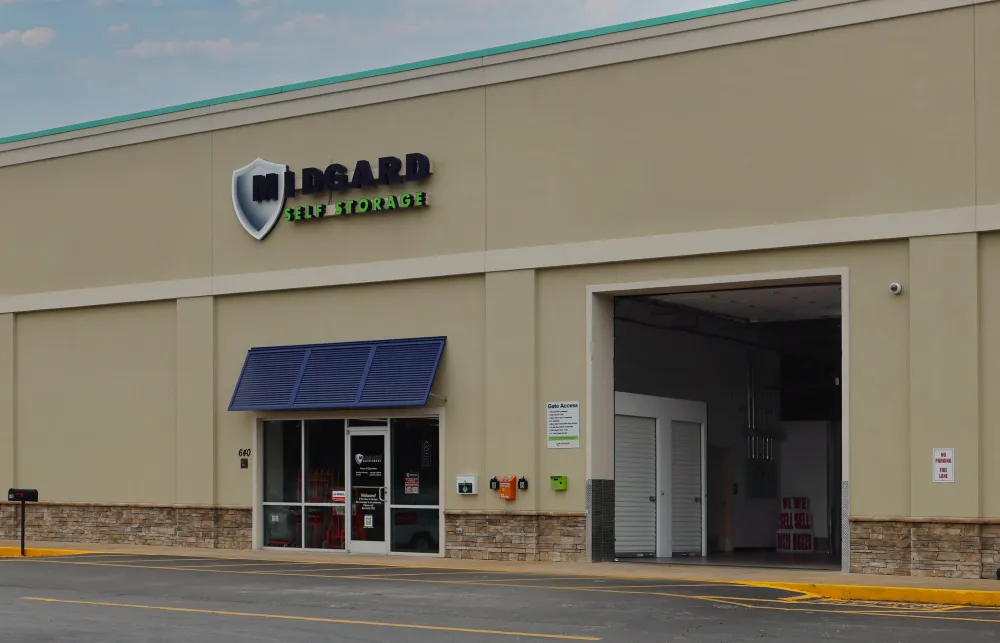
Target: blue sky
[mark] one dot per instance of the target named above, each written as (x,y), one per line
(69,61)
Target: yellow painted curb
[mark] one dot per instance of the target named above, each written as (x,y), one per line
(979,598)
(31,552)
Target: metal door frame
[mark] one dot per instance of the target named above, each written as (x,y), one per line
(366,546)
(664,410)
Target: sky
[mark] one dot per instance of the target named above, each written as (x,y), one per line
(69,61)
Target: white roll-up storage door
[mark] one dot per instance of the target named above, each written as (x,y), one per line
(635,484)
(685,478)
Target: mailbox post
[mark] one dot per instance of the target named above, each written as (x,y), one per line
(24,496)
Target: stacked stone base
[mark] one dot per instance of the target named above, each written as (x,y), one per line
(117,524)
(516,535)
(946,548)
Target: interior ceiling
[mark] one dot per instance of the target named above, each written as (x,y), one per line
(763,305)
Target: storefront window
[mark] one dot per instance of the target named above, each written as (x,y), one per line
(324,527)
(311,482)
(282,526)
(415,530)
(368,423)
(325,484)
(282,461)
(414,512)
(415,467)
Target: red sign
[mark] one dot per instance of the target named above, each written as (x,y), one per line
(411,484)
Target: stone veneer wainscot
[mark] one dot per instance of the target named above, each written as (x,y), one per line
(216,527)
(516,535)
(942,547)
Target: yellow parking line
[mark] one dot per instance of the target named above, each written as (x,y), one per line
(900,614)
(617,587)
(316,619)
(138,559)
(547,578)
(332,566)
(428,573)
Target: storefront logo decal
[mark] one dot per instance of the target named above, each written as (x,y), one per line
(257,216)
(261,188)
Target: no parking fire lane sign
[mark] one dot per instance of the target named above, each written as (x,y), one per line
(944,465)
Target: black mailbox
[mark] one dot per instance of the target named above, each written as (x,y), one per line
(22,495)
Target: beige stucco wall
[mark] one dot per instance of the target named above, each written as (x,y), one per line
(988,103)
(127,215)
(989,374)
(944,372)
(95,403)
(865,119)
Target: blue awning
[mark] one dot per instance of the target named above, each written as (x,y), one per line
(354,375)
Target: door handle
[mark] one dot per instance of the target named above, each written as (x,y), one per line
(652,498)
(698,499)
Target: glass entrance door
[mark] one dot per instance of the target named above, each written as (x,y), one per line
(367,459)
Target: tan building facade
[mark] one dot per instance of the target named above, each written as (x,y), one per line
(772,144)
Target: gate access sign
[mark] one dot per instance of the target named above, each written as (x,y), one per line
(562,420)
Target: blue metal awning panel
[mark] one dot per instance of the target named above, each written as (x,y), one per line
(354,375)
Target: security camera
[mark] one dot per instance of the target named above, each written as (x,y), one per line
(896,288)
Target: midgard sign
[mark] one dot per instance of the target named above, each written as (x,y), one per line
(261,189)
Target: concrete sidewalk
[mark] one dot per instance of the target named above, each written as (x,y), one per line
(822,584)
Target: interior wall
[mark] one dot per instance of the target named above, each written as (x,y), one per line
(804,469)
(682,365)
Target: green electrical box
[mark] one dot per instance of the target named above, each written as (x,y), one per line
(559,483)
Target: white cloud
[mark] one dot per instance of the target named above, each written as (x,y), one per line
(36,37)
(601,9)
(254,10)
(253,15)
(221,48)
(122,28)
(87,63)
(302,22)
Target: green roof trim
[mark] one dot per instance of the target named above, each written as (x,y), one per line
(443,60)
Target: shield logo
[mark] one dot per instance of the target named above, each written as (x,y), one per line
(258,217)
(359,458)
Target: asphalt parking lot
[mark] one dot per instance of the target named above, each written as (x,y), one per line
(111,598)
